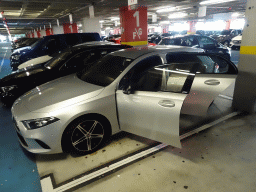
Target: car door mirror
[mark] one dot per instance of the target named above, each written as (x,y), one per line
(126,84)
(128,90)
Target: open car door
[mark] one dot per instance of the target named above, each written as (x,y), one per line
(152,105)
(214,75)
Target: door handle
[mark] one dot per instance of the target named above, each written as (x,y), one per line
(212,82)
(166,103)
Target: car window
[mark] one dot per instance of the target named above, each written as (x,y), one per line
(206,41)
(176,78)
(189,41)
(105,71)
(176,41)
(223,66)
(57,59)
(215,64)
(78,60)
(85,59)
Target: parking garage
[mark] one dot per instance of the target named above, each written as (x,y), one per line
(217,148)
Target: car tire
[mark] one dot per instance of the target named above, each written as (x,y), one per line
(86,135)
(226,43)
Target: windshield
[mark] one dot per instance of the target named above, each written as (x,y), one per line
(57,59)
(105,71)
(34,44)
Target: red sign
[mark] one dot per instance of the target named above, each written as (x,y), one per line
(48,31)
(134,26)
(70,28)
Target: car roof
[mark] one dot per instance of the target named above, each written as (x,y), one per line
(98,44)
(136,52)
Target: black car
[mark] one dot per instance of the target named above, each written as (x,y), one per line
(199,41)
(27,42)
(71,60)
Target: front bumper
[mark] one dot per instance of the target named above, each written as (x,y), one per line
(45,140)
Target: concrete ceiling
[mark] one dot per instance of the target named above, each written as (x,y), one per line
(25,15)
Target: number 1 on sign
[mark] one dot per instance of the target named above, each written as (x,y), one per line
(70,26)
(136,14)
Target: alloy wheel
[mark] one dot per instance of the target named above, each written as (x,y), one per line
(87,135)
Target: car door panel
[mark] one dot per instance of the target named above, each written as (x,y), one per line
(205,88)
(154,115)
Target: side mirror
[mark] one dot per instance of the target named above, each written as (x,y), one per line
(127,90)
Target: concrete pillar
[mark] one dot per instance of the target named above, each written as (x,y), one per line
(192,27)
(57,29)
(165,28)
(245,87)
(228,22)
(43,33)
(91,25)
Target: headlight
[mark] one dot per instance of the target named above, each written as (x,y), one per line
(8,88)
(16,57)
(38,123)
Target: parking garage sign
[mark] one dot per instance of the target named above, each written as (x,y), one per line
(134,26)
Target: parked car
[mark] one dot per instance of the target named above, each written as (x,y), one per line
(199,41)
(140,90)
(43,49)
(236,42)
(19,40)
(156,38)
(64,63)
(27,42)
(226,35)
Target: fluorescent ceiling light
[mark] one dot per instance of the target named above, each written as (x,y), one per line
(101,21)
(177,15)
(115,18)
(164,22)
(209,2)
(168,9)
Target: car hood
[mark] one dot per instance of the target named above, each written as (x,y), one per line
(58,94)
(15,77)
(21,50)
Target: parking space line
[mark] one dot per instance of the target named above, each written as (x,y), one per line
(48,183)
(2,62)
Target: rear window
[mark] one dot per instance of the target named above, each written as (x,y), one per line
(176,41)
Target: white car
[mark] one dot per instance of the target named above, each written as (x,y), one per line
(139,90)
(236,42)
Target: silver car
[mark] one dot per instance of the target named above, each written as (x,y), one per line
(140,90)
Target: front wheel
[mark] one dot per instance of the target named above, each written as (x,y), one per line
(85,135)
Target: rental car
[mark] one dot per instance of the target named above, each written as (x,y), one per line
(199,41)
(139,90)
(48,45)
(64,63)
